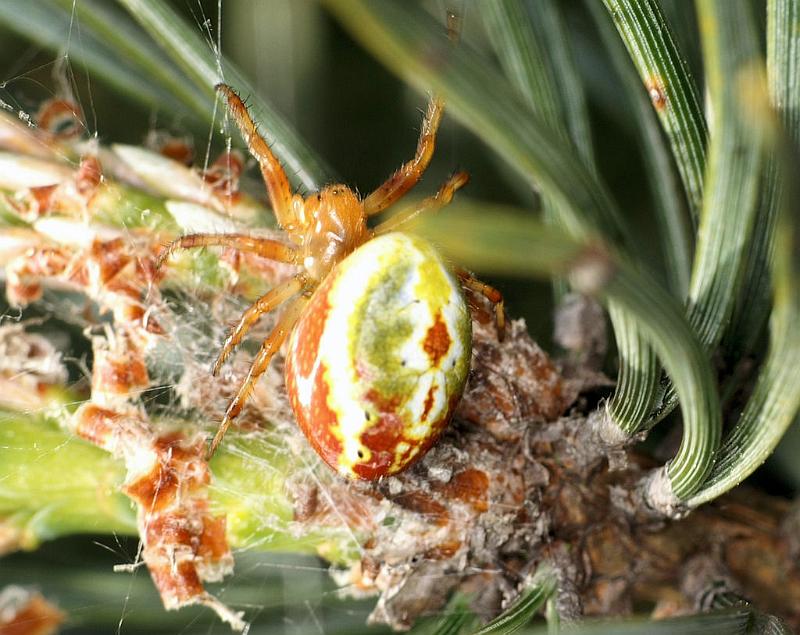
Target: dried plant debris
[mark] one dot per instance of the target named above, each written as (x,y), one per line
(29,367)
(473,512)
(183,542)
(512,383)
(26,612)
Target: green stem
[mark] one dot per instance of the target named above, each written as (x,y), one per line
(85,498)
(733,65)
(249,487)
(540,588)
(536,58)
(775,401)
(669,199)
(534,52)
(783,74)
(736,158)
(664,72)
(639,372)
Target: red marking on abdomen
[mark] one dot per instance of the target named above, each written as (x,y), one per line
(317,421)
(308,331)
(437,340)
(426,409)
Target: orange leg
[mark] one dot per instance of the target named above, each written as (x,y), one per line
(260,364)
(409,173)
(488,292)
(266,303)
(280,193)
(430,204)
(265,247)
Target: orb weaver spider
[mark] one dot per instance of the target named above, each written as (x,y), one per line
(325,230)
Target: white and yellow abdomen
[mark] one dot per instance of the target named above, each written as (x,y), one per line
(378,361)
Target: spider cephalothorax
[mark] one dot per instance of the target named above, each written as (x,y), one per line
(382,337)
(333,225)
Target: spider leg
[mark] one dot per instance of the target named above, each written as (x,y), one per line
(430,204)
(266,303)
(410,172)
(260,364)
(488,292)
(280,193)
(265,247)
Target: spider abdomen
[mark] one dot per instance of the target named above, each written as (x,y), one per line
(379,358)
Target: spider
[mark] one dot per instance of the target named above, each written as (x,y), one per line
(322,230)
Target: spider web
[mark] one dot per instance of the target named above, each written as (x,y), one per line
(292,592)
